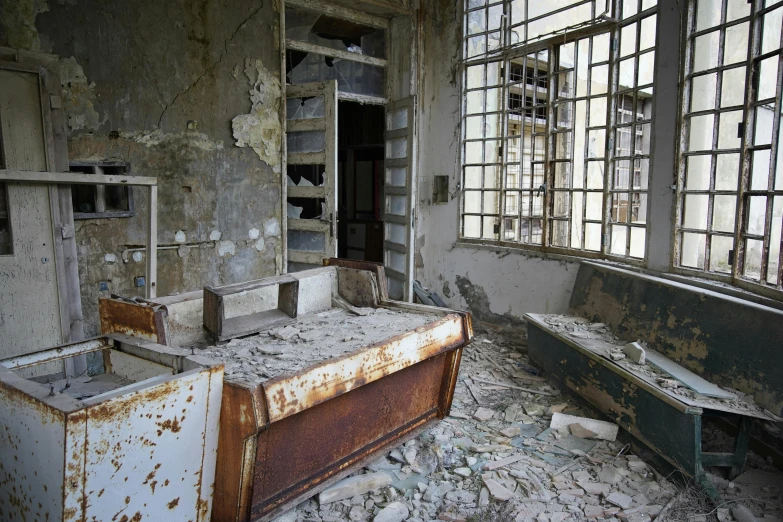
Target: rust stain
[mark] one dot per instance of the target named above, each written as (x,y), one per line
(174,503)
(132,319)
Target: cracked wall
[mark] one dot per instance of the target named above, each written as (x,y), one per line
(496,285)
(155,85)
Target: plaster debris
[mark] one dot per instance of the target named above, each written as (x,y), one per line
(215,235)
(253,233)
(310,339)
(486,471)
(597,338)
(394,512)
(110,258)
(635,352)
(260,128)
(226,247)
(356,485)
(602,430)
(271,227)
(179,236)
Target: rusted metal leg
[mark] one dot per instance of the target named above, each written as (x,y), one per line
(740,446)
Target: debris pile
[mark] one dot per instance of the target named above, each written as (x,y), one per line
(513,448)
(310,339)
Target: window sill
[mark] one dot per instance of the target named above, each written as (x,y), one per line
(541,254)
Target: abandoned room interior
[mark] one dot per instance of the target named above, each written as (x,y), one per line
(391,260)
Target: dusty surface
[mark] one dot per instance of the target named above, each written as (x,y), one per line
(597,338)
(309,340)
(538,475)
(84,386)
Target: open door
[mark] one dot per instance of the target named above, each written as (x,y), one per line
(399,196)
(311,140)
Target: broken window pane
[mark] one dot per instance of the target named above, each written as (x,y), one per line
(304,108)
(334,33)
(352,77)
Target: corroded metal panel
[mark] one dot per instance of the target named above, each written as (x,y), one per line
(141,320)
(144,452)
(288,395)
(31,467)
(294,455)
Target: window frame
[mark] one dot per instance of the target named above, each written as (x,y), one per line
(613,27)
(97,168)
(745,150)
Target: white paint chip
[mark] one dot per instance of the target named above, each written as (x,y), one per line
(272,227)
(179,236)
(215,235)
(110,258)
(260,244)
(226,247)
(138,257)
(253,233)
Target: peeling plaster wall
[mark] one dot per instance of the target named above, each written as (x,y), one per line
(497,286)
(187,91)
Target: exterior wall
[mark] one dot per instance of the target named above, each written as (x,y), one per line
(498,286)
(188,92)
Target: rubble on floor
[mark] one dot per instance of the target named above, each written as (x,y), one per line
(496,458)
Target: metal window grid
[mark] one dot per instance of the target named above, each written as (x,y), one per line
(745,178)
(517,186)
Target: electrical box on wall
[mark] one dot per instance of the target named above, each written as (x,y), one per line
(440,190)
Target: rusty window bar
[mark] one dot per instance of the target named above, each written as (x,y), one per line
(506,210)
(72,178)
(631,128)
(754,254)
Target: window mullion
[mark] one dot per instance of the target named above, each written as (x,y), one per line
(549,164)
(504,90)
(740,222)
(611,120)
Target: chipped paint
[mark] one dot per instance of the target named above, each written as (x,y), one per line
(78,96)
(186,138)
(226,247)
(253,233)
(260,129)
(215,235)
(272,227)
(260,244)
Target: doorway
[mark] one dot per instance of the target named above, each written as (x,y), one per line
(360,231)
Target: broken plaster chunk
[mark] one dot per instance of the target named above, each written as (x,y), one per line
(496,489)
(394,512)
(483,414)
(616,356)
(603,430)
(179,236)
(580,431)
(356,485)
(620,500)
(635,352)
